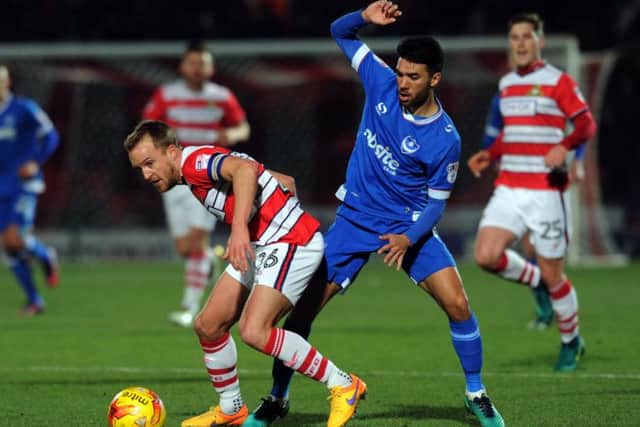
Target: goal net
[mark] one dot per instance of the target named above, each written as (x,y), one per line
(303,103)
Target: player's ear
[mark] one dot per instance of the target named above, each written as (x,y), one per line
(435,79)
(173,152)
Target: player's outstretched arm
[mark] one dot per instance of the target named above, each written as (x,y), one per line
(381,12)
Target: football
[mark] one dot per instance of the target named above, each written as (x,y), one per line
(136,407)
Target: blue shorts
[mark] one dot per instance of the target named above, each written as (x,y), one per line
(18,209)
(354,236)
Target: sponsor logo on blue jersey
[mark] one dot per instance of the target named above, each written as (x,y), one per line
(382,153)
(381,108)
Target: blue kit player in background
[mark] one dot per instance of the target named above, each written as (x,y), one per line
(400,174)
(493,127)
(27,140)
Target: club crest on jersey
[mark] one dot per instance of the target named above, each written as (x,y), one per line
(535,91)
(452,172)
(381,108)
(409,145)
(202,161)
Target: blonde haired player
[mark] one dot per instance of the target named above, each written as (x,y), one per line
(273,249)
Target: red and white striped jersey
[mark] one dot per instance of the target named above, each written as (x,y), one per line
(276,215)
(197,117)
(535,107)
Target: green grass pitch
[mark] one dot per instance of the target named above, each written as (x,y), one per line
(105,328)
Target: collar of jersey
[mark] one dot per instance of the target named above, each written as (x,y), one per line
(421,120)
(5,104)
(531,68)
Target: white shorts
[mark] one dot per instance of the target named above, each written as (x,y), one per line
(184,212)
(546,214)
(282,266)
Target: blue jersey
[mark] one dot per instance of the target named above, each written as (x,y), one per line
(26,134)
(399,160)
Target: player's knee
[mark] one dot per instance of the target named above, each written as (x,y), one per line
(486,257)
(207,330)
(253,333)
(458,309)
(183,250)
(12,243)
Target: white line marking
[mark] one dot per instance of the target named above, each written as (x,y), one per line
(267,373)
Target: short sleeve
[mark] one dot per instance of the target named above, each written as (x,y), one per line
(569,97)
(443,173)
(156,107)
(202,166)
(234,114)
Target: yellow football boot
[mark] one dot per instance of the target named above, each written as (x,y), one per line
(215,417)
(344,401)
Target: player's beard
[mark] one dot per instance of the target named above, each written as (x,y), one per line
(418,100)
(172,179)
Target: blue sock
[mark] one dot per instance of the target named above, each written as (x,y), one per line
(281,374)
(37,249)
(19,264)
(467,342)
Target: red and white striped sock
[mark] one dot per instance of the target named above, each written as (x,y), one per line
(220,357)
(515,268)
(296,353)
(197,270)
(564,301)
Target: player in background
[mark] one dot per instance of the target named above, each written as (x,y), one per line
(400,174)
(493,127)
(202,113)
(27,140)
(536,102)
(273,249)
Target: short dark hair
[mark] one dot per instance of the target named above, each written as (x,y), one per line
(196,45)
(161,135)
(529,17)
(422,50)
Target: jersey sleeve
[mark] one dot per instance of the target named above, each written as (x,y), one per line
(443,173)
(371,69)
(569,98)
(38,121)
(202,166)
(494,122)
(44,136)
(234,114)
(156,108)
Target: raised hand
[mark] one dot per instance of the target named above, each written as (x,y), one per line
(381,12)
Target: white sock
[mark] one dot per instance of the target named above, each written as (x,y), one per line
(221,357)
(197,270)
(296,353)
(514,267)
(564,301)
